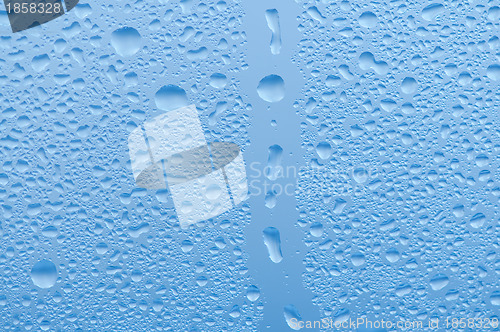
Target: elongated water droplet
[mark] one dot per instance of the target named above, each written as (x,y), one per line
(273,244)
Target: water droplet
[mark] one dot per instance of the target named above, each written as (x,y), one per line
(136,231)
(409,85)
(339,206)
(439,281)
(271,88)
(493,72)
(367,61)
(101,248)
(253,293)
(235,311)
(358,259)
(171,97)
(360,175)
(458,210)
(368,19)
(187,246)
(316,229)
(136,275)
(431,11)
(273,243)
(407,108)
(40,62)
(341,316)
(44,274)
(324,150)
(213,192)
(316,14)
(495,298)
(274,169)
(477,220)
(273,23)
(157,305)
(218,80)
(49,231)
(482,160)
(292,316)
(270,199)
(126,41)
(464,78)
(392,255)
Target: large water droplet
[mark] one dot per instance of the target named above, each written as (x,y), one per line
(126,41)
(324,150)
(409,85)
(341,316)
(495,298)
(273,244)
(271,199)
(273,23)
(170,97)
(368,20)
(213,192)
(360,175)
(392,255)
(40,62)
(358,259)
(493,72)
(316,229)
(464,78)
(439,281)
(292,317)
(431,11)
(274,169)
(271,88)
(218,80)
(44,274)
(253,293)
(187,246)
(477,220)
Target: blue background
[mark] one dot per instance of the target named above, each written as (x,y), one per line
(394,216)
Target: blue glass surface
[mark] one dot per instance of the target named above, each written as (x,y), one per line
(370,136)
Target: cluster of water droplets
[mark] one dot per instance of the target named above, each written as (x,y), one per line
(399,204)
(81,247)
